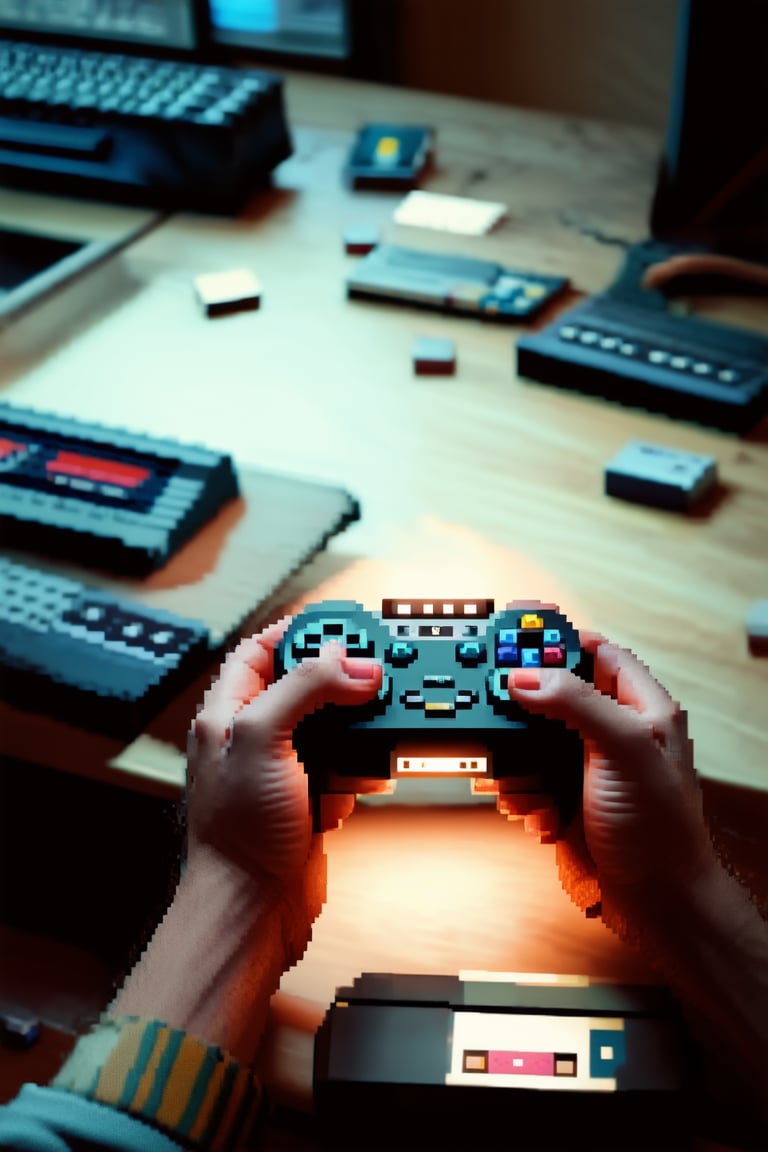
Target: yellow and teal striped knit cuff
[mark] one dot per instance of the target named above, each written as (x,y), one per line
(192,1091)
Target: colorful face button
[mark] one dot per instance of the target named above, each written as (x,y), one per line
(470,653)
(530,620)
(530,658)
(507,655)
(553,657)
(401,653)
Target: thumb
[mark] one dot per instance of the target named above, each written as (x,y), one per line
(329,678)
(561,695)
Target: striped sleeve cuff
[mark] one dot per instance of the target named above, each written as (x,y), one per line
(193,1091)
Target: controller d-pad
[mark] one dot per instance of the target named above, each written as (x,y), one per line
(309,640)
(358,643)
(401,653)
(470,653)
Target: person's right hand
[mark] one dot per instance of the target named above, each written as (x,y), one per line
(642,829)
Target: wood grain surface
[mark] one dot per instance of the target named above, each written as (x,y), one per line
(481,484)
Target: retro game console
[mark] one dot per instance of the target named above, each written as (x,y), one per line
(502,1060)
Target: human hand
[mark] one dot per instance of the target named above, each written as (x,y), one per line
(247,795)
(642,824)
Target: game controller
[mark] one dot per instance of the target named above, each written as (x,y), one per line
(443,708)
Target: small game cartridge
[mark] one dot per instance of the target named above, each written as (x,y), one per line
(660,476)
(434,356)
(237,290)
(757,628)
(450,283)
(389,156)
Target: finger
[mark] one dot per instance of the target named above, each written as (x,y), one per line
(518,784)
(334,810)
(561,695)
(484,786)
(609,721)
(619,673)
(521,605)
(544,823)
(590,640)
(242,676)
(623,675)
(576,869)
(329,678)
(524,805)
(245,672)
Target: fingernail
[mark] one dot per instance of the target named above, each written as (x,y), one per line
(529,679)
(358,669)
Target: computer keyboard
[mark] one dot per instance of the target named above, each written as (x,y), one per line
(155,131)
(98,662)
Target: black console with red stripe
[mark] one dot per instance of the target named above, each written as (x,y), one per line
(105,497)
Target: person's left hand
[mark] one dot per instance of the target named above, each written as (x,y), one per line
(247,794)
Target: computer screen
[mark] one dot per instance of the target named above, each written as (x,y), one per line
(297,27)
(157,23)
(713,181)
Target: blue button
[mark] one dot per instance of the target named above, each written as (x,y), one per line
(470,652)
(531,658)
(508,636)
(552,636)
(507,655)
(401,653)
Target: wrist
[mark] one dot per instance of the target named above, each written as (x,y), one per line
(670,907)
(214,960)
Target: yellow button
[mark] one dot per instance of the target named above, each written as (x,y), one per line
(531,621)
(534,291)
(387,149)
(438,706)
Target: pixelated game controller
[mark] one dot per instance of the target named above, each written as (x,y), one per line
(443,708)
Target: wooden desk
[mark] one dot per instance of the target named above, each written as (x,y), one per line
(480,484)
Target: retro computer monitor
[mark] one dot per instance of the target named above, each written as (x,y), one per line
(297,27)
(634,342)
(357,38)
(713,177)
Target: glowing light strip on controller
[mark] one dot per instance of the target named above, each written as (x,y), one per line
(418,609)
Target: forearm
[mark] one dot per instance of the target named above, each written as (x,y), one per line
(213,962)
(710,945)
